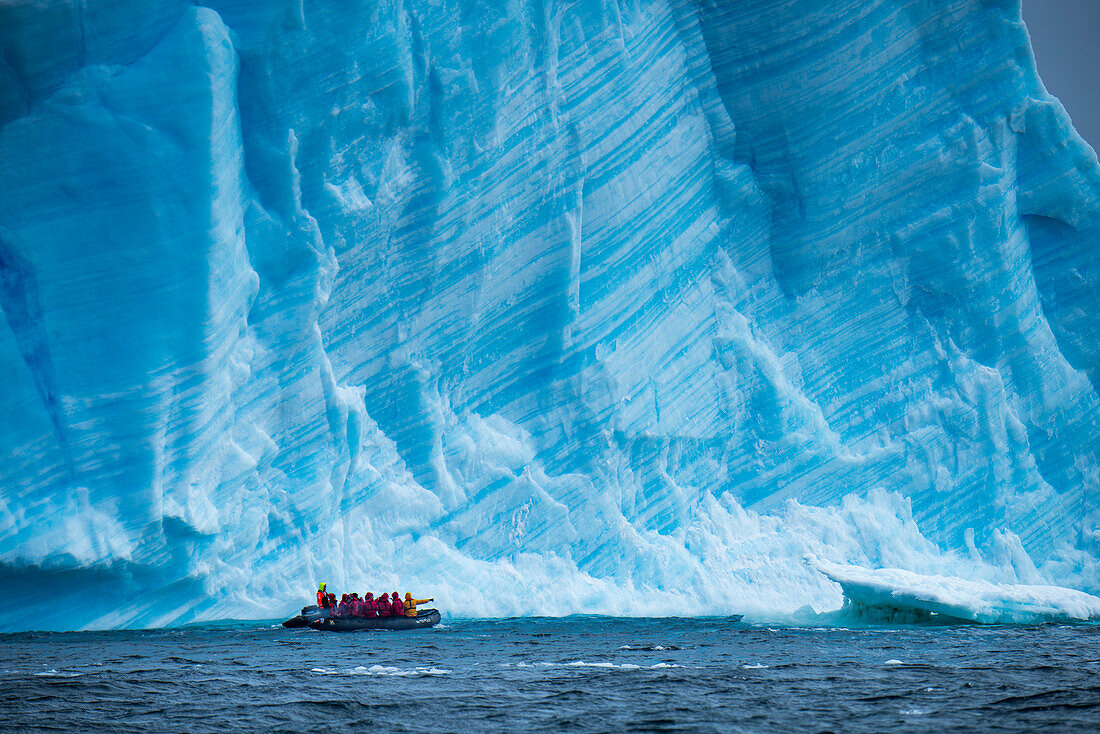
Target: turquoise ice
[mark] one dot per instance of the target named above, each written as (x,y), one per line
(536,307)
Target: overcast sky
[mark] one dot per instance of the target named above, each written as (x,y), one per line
(1065,35)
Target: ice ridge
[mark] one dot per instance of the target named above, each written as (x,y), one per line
(895,593)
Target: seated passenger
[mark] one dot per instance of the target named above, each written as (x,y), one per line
(353,605)
(410,604)
(383,605)
(342,607)
(367,609)
(397,608)
(330,610)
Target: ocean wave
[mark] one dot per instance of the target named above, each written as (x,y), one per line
(56,674)
(603,664)
(383,670)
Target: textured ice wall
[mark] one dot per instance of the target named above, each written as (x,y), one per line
(537,307)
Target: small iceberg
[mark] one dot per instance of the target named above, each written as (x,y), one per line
(898,595)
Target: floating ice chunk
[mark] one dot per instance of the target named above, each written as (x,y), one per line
(894,591)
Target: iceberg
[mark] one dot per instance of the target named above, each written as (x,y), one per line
(892,593)
(536,308)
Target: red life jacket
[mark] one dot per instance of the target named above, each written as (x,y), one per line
(397,608)
(322,600)
(367,608)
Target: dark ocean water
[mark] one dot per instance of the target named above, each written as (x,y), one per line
(574,674)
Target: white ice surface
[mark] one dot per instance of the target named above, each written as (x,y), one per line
(893,590)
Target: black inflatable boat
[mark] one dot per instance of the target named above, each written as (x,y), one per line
(309,614)
(424,619)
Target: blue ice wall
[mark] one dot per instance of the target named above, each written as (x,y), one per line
(536,307)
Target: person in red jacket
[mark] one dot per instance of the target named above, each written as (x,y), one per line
(367,609)
(353,605)
(383,605)
(397,607)
(322,599)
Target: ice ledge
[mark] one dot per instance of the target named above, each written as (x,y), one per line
(893,592)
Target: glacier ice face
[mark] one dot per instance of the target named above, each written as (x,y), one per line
(539,307)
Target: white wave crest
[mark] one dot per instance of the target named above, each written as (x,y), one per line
(56,674)
(602,664)
(384,670)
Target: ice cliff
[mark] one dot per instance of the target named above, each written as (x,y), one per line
(536,306)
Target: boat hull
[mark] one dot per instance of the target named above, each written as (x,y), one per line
(423,620)
(309,614)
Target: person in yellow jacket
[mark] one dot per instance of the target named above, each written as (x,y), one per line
(410,604)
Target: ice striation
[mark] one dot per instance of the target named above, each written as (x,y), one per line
(616,306)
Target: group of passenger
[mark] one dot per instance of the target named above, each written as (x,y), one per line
(350,605)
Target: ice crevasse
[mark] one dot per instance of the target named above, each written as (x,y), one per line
(536,307)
